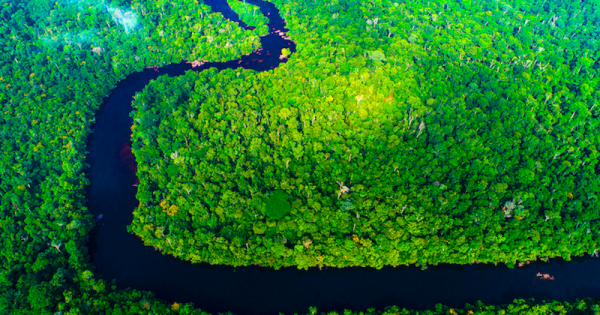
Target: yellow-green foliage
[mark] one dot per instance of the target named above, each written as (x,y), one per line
(436,133)
(251,15)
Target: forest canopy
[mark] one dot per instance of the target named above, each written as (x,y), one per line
(251,15)
(403,133)
(59,59)
(400,133)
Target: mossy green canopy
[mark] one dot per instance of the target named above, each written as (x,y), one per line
(278,205)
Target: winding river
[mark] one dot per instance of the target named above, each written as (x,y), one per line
(258,290)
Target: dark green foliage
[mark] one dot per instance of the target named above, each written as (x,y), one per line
(277,205)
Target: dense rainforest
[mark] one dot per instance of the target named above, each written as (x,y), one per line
(402,133)
(59,59)
(472,89)
(250,14)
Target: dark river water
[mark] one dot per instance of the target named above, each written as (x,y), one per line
(257,290)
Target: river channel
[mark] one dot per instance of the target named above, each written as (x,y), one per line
(120,255)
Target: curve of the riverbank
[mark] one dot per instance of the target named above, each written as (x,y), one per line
(255,290)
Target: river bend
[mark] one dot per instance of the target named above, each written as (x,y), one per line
(257,290)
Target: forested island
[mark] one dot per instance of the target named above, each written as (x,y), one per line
(398,133)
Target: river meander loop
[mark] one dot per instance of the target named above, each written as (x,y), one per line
(120,255)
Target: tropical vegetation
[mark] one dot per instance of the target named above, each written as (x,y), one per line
(59,59)
(400,133)
(251,15)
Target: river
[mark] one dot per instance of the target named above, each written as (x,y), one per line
(258,290)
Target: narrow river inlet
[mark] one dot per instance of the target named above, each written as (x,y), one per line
(120,255)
